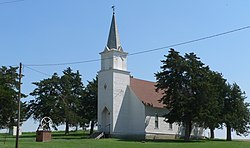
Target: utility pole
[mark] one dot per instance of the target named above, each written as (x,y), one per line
(19,98)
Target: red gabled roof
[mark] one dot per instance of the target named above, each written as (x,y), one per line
(145,91)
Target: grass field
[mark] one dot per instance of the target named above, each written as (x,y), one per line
(80,140)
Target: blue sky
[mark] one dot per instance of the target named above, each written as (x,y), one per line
(59,31)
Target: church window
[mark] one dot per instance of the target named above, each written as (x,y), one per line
(105,86)
(170,126)
(156,121)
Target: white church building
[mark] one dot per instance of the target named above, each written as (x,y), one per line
(127,106)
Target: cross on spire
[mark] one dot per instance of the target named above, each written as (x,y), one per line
(113,7)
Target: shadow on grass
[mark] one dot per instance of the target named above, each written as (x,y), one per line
(177,140)
(173,140)
(76,135)
(162,140)
(55,135)
(6,138)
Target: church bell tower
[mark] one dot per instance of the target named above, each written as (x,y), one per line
(113,79)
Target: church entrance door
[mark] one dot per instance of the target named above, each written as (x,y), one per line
(106,121)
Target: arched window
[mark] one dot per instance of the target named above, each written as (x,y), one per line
(170,126)
(156,121)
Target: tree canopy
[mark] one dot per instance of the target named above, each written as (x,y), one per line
(88,107)
(8,97)
(195,94)
(58,98)
(236,114)
(183,80)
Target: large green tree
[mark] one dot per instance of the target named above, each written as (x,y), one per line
(72,90)
(8,97)
(88,108)
(184,82)
(46,101)
(236,114)
(58,98)
(216,91)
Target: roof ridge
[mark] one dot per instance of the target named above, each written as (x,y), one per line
(143,80)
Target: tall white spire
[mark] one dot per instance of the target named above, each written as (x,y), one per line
(114,39)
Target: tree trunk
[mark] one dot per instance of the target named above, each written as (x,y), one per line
(67,128)
(211,133)
(92,126)
(76,127)
(229,137)
(190,128)
(187,130)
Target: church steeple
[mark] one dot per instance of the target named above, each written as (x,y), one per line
(113,79)
(114,39)
(113,57)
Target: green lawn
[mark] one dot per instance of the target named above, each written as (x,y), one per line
(80,140)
